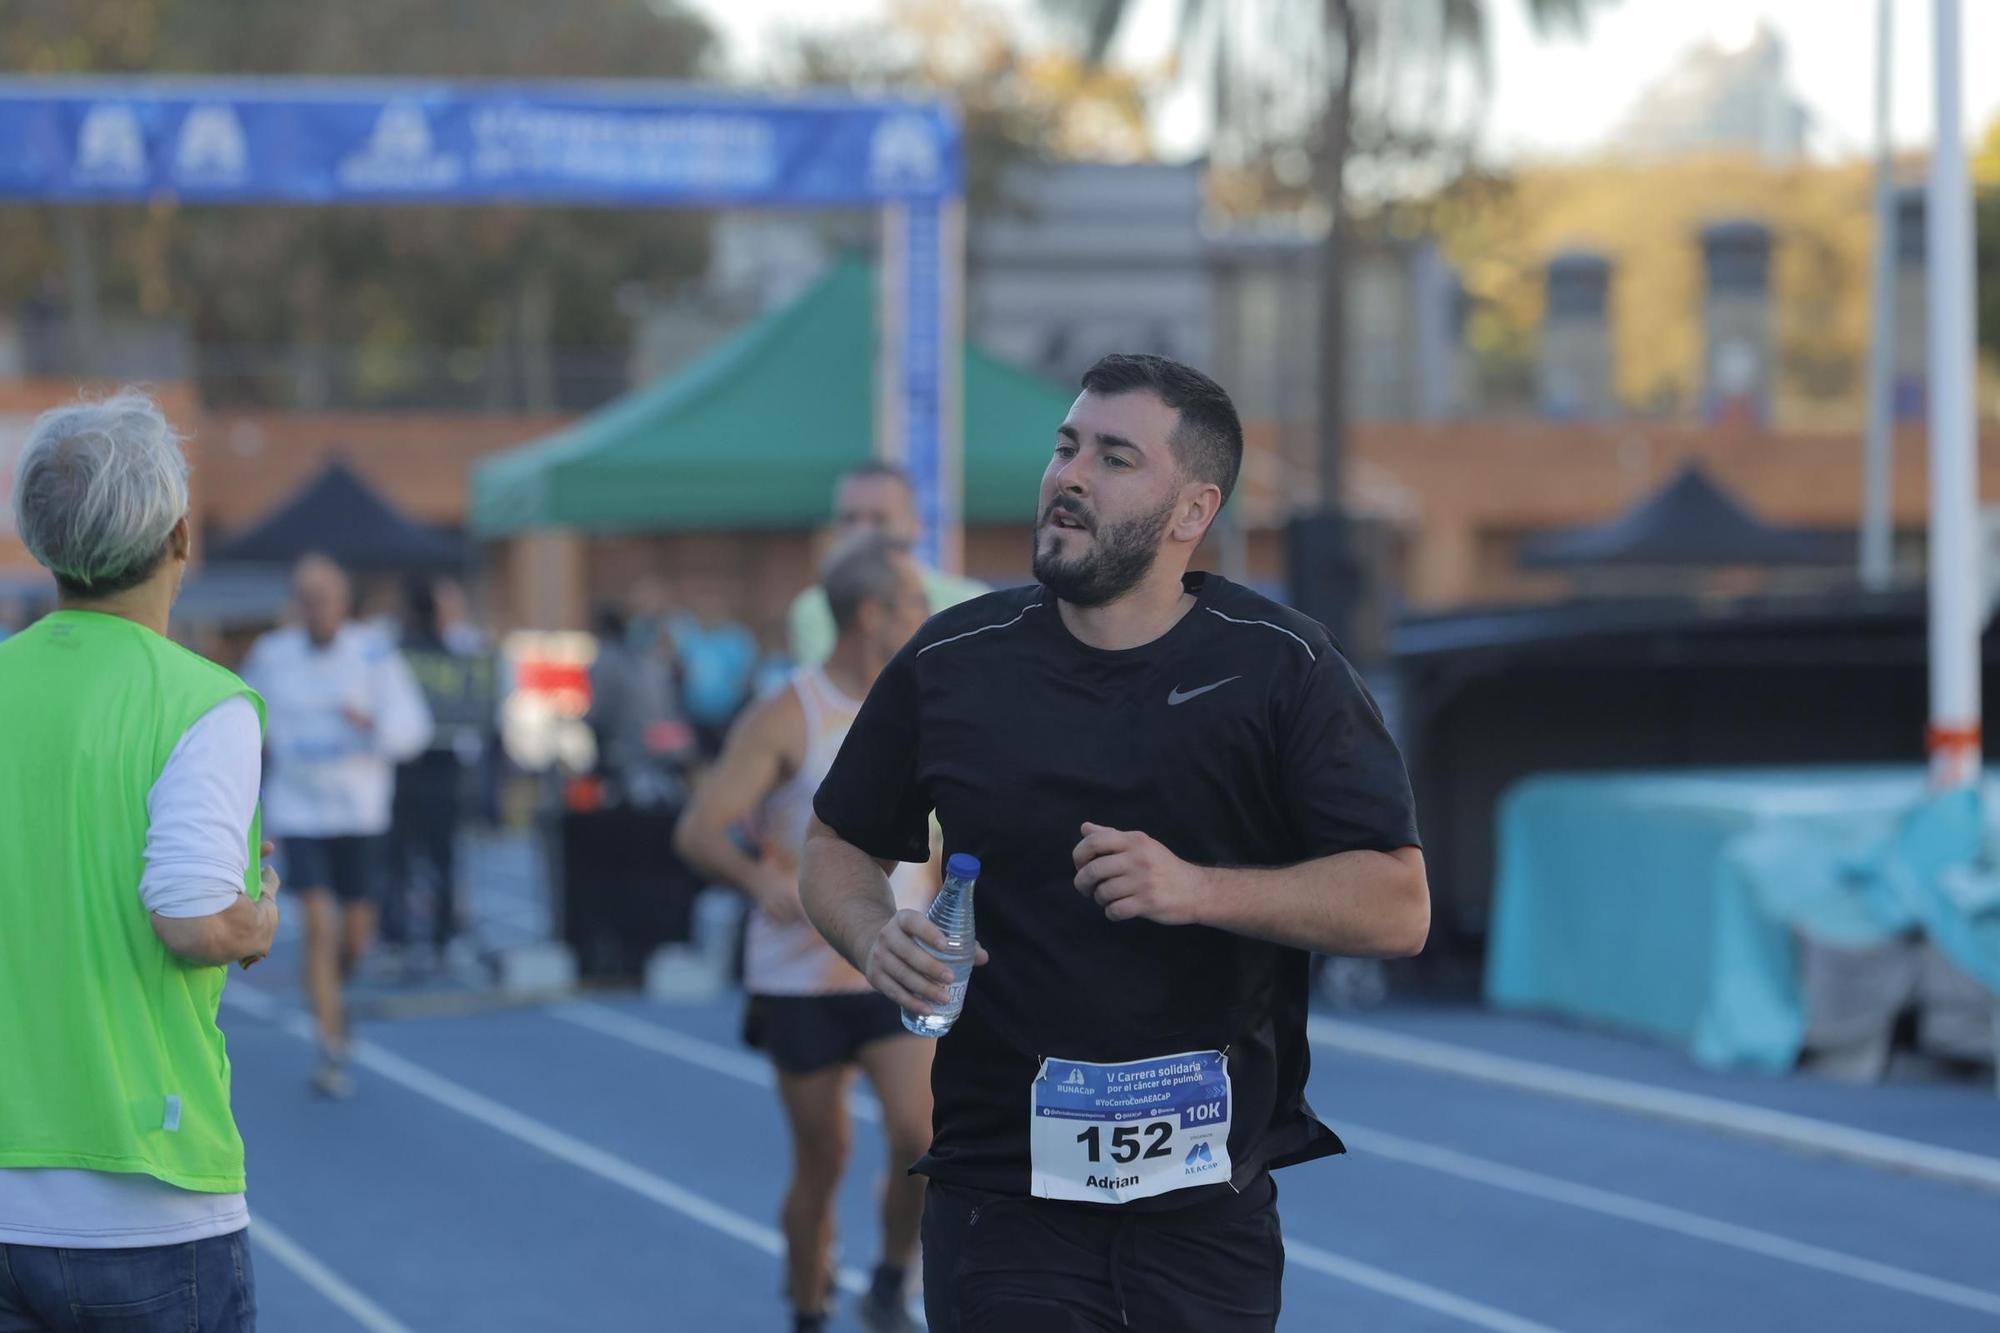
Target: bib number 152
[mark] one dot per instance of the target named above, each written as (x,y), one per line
(1125,1141)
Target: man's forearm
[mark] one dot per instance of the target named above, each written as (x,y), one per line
(713,853)
(241,930)
(1355,904)
(846,894)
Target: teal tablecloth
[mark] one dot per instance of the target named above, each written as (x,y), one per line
(1669,904)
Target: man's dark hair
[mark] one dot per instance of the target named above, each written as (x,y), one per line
(1208,442)
(876,467)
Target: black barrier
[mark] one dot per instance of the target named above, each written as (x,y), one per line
(624,892)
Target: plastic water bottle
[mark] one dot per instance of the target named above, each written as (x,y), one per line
(951,913)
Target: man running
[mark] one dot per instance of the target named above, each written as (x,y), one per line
(1179,791)
(344,711)
(809,1011)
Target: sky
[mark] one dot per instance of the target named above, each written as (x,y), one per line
(1560,96)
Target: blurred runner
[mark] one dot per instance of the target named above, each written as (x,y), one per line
(811,1013)
(432,788)
(873,497)
(343,712)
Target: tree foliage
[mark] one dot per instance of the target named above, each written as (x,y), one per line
(504,287)
(1014,101)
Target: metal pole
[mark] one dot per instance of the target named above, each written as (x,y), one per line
(1954,738)
(1877,473)
(891,286)
(951,388)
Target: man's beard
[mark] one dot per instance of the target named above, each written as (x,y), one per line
(1120,556)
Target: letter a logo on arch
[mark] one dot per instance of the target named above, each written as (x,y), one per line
(211,149)
(401,154)
(402,134)
(904,153)
(110,146)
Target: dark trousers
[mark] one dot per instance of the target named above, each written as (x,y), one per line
(996,1263)
(423,849)
(202,1284)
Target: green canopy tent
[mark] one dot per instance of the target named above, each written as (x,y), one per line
(753,434)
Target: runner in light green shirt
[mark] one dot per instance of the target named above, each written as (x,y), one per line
(873,497)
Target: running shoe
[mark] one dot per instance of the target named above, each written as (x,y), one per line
(885,1316)
(331,1080)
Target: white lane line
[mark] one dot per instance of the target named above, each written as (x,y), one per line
(734,1064)
(1802,1133)
(526,1129)
(1627,1208)
(1403,1289)
(322,1279)
(665,1041)
(706,1054)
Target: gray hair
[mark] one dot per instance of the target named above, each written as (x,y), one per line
(859,571)
(98,491)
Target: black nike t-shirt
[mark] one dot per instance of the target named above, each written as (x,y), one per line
(1239,738)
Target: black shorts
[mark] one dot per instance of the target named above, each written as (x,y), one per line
(349,867)
(804,1034)
(1002,1263)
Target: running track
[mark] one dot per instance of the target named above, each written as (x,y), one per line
(614,1164)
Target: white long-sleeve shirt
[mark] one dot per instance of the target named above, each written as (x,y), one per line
(324,776)
(197,854)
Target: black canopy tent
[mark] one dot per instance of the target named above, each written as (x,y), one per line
(1690,523)
(339,515)
(1489,696)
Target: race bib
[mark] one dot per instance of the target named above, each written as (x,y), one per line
(1114,1133)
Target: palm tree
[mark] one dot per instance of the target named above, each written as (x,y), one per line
(1399,83)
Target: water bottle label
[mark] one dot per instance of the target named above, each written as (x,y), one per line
(1117,1132)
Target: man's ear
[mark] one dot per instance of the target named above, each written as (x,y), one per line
(180,543)
(1200,502)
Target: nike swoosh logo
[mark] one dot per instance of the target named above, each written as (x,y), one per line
(1180,696)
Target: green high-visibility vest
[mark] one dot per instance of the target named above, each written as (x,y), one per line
(110,1058)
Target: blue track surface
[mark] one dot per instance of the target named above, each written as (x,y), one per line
(553,1169)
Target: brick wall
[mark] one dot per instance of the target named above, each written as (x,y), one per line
(1471,490)
(253,461)
(1463,495)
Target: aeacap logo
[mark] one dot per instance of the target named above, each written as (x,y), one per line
(904,154)
(211,149)
(400,155)
(1198,1160)
(110,147)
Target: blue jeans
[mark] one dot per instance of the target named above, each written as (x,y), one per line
(203,1286)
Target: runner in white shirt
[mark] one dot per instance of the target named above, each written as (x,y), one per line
(809,1011)
(342,712)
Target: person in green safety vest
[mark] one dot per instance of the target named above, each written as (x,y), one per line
(130,880)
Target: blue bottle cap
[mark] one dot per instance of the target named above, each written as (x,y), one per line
(962,865)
